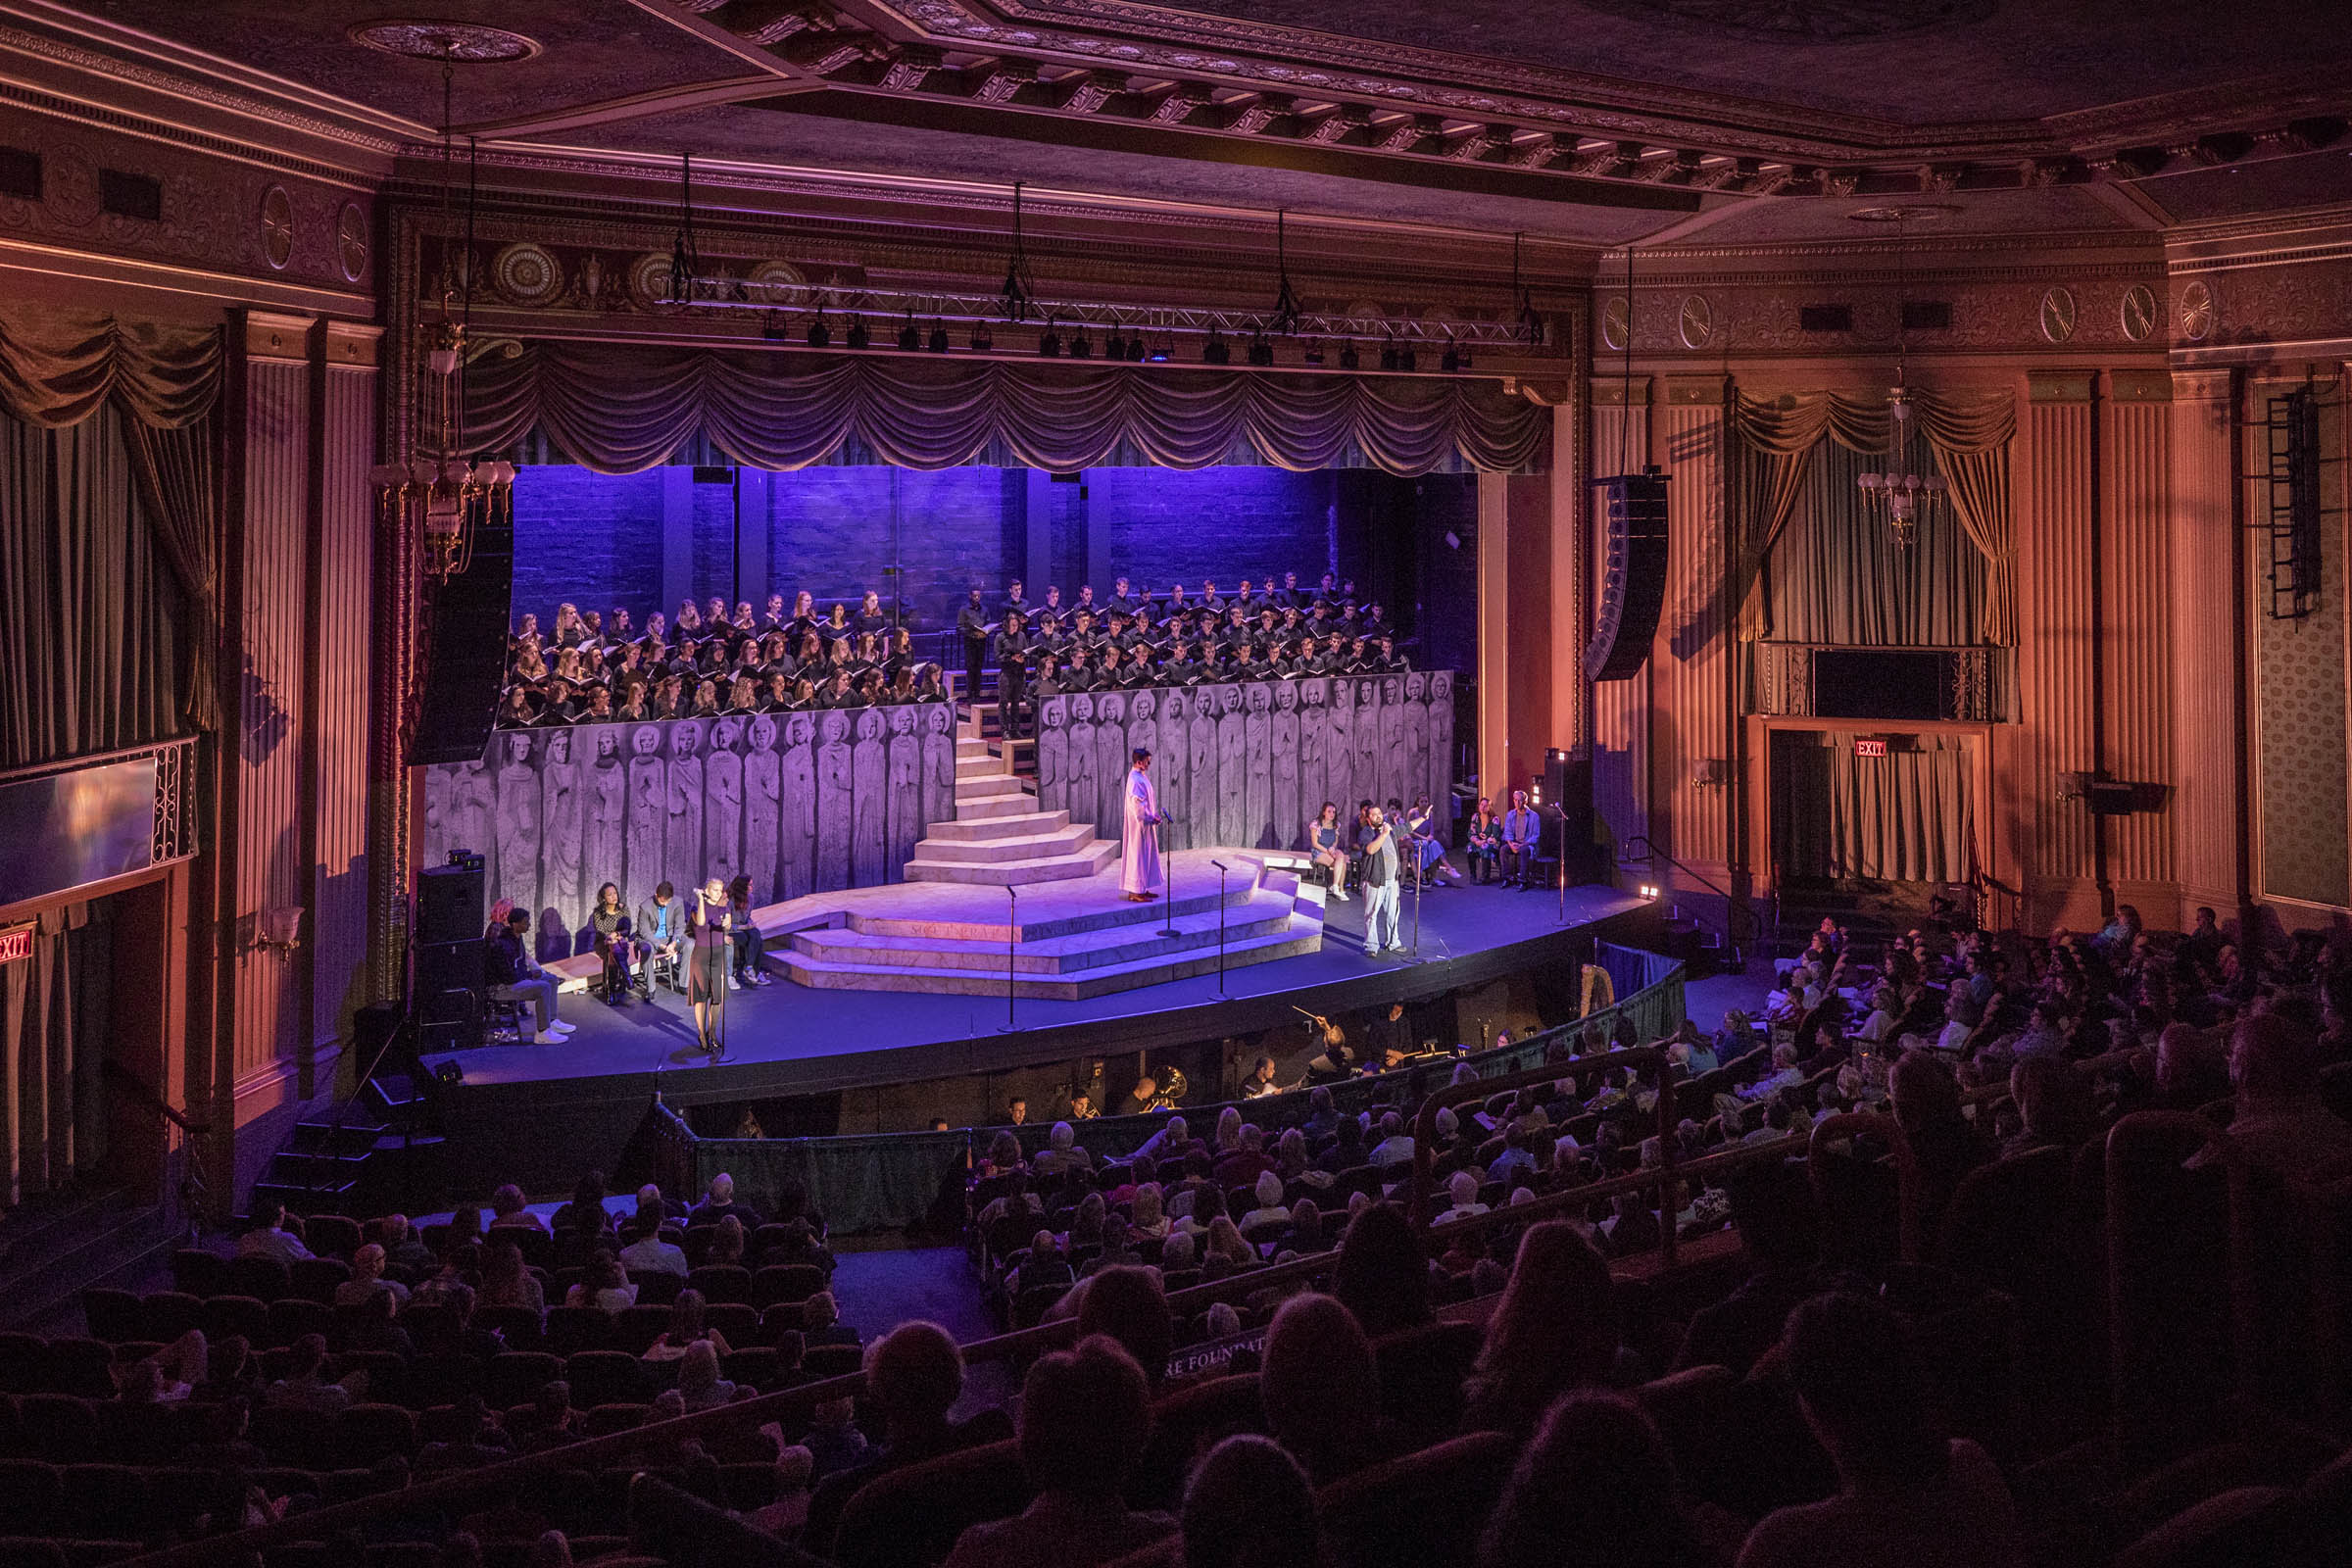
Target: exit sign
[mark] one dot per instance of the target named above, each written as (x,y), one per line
(1868,746)
(15,943)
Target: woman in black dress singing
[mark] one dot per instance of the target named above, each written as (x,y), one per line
(710,934)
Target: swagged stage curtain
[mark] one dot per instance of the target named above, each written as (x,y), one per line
(621,410)
(108,516)
(1838,577)
(53,1025)
(1904,817)
(1970,442)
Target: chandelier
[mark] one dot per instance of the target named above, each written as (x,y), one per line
(1901,497)
(437,496)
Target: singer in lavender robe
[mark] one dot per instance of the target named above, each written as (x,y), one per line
(1139,836)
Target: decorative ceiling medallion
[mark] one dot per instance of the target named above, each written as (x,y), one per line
(2139,313)
(1806,21)
(1907,212)
(782,274)
(1616,316)
(351,241)
(2196,310)
(2058,314)
(277,227)
(1697,323)
(526,275)
(462,43)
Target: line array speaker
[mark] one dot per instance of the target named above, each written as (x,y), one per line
(466,647)
(1633,587)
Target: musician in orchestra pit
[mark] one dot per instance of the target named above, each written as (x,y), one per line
(1261,1082)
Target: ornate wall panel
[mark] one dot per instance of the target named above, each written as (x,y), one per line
(1621,707)
(339,703)
(2203,675)
(2053,521)
(1690,686)
(1255,760)
(2136,600)
(801,803)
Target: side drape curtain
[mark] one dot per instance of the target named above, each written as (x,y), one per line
(51,1021)
(1971,440)
(619,410)
(150,392)
(91,632)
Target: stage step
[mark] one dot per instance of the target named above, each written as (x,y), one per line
(1299,934)
(989,786)
(999,826)
(983,807)
(1264,915)
(1017,873)
(1067,839)
(980,768)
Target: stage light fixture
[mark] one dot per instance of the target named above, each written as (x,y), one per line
(820,334)
(911,337)
(1404,356)
(1216,351)
(1114,347)
(1134,349)
(1160,355)
(1314,351)
(858,337)
(1648,892)
(1080,348)
(1049,342)
(1262,352)
(1451,359)
(1349,358)
(983,340)
(1391,358)
(939,337)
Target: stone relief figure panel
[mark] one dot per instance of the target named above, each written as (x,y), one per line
(1110,762)
(514,869)
(869,803)
(1314,734)
(939,764)
(905,761)
(1171,766)
(1052,753)
(1258,766)
(722,810)
(762,809)
(1079,791)
(682,836)
(833,793)
(1233,766)
(1286,821)
(795,844)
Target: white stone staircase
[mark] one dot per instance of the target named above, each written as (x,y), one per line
(999,836)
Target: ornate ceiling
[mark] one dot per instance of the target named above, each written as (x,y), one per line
(1598,121)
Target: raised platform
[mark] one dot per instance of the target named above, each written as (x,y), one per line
(541,1114)
(1066,939)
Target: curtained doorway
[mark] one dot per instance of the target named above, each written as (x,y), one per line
(1866,823)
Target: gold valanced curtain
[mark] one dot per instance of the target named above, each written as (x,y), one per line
(1970,438)
(60,370)
(621,409)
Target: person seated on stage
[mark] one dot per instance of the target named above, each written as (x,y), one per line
(1483,837)
(511,976)
(611,922)
(1421,825)
(743,696)
(749,948)
(660,932)
(1325,850)
(1522,829)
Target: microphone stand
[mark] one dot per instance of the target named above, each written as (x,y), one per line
(1563,810)
(1167,888)
(1221,870)
(1012,935)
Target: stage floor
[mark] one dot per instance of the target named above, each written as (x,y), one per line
(786,1039)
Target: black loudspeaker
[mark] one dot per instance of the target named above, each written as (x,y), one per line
(466,647)
(442,980)
(445,967)
(1568,804)
(1633,586)
(449,903)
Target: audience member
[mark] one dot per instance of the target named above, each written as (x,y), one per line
(1554,1331)
(1595,1488)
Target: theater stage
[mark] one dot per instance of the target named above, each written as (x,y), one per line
(544,1112)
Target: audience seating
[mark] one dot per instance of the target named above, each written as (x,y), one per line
(910,1517)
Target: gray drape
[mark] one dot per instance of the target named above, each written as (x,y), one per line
(52,1019)
(93,645)
(621,409)
(1904,817)
(1837,576)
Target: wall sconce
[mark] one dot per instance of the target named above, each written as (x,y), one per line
(1710,772)
(278,931)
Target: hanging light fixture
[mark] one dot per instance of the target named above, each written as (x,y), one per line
(1899,496)
(1531,322)
(1018,297)
(685,261)
(436,493)
(1287,311)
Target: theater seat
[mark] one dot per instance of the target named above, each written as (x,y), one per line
(61,1428)
(911,1518)
(1424,1511)
(1186,1425)
(367,1433)
(1421,1374)
(105,1502)
(515,1377)
(113,1315)
(2245,1526)
(32,1496)
(199,1273)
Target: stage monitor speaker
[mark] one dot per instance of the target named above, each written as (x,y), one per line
(1568,801)
(449,903)
(440,968)
(466,647)
(1633,586)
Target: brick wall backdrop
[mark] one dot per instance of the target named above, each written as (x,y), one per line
(598,540)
